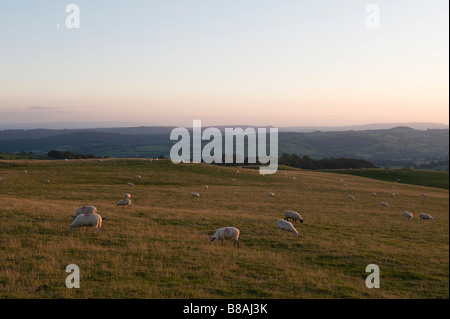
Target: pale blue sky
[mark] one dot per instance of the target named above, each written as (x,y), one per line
(257,62)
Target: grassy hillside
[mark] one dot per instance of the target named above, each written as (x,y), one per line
(159,247)
(402,176)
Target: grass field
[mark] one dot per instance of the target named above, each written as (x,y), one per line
(159,247)
(402,176)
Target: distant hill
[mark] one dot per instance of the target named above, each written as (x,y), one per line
(398,146)
(373,126)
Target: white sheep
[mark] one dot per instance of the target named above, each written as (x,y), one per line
(127,196)
(47,181)
(425,216)
(84,210)
(233,179)
(424,195)
(345,185)
(226,233)
(138,176)
(194,194)
(351,197)
(25,171)
(393,194)
(206,186)
(287,226)
(407,215)
(271,194)
(384,204)
(87,220)
(1,178)
(124,202)
(374,194)
(294,215)
(130,184)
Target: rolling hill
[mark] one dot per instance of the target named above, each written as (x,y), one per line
(399,146)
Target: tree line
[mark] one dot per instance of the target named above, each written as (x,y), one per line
(306,162)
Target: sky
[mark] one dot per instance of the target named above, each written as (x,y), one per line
(225,62)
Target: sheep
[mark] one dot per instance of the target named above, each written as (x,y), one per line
(374,194)
(130,184)
(25,171)
(87,220)
(233,179)
(271,194)
(1,178)
(345,185)
(407,215)
(124,202)
(226,233)
(393,194)
(423,194)
(351,197)
(384,204)
(206,186)
(293,177)
(287,226)
(294,215)
(127,196)
(425,216)
(138,176)
(84,210)
(194,194)
(47,181)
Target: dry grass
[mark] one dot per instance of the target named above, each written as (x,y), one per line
(159,247)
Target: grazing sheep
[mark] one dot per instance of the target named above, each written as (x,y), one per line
(127,196)
(87,220)
(206,186)
(1,178)
(424,195)
(294,215)
(345,185)
(407,215)
(341,180)
(425,216)
(130,184)
(293,177)
(393,194)
(351,197)
(84,210)
(25,171)
(287,226)
(124,202)
(384,204)
(138,176)
(47,181)
(226,233)
(374,194)
(233,179)
(194,194)
(271,194)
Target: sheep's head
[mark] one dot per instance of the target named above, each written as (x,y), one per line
(301,220)
(212,239)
